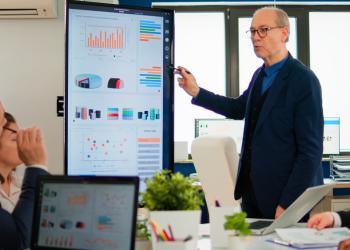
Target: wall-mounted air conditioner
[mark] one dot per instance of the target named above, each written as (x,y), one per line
(28,9)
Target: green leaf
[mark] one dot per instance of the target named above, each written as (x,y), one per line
(238,223)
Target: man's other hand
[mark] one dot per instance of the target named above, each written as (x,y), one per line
(279,211)
(321,220)
(344,244)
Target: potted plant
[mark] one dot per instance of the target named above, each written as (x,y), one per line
(238,230)
(174,202)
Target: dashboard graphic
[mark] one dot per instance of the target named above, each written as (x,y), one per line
(87,216)
(88,81)
(119,92)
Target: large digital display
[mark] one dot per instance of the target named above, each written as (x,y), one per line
(119,93)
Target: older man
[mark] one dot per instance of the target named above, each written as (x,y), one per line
(15,228)
(282,107)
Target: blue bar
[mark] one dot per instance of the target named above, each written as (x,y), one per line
(153,86)
(156,26)
(149,32)
(150,80)
(332,122)
(150,75)
(149,83)
(147,21)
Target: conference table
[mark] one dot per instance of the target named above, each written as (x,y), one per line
(256,243)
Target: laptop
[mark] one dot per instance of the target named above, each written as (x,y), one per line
(75,212)
(305,202)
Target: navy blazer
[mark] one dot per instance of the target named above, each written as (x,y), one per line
(345,218)
(288,138)
(16,228)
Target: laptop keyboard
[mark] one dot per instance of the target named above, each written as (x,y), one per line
(260,224)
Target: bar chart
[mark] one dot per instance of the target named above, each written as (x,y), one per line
(105,37)
(150,31)
(150,77)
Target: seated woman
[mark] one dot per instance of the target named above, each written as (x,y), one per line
(10,184)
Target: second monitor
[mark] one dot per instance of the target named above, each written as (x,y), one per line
(235,129)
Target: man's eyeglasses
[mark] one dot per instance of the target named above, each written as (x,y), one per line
(262,31)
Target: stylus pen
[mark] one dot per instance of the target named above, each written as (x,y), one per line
(173,68)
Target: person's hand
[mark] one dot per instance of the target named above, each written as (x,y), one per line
(344,244)
(187,82)
(321,220)
(279,211)
(30,145)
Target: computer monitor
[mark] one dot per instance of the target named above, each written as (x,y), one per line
(119,90)
(331,136)
(87,213)
(226,127)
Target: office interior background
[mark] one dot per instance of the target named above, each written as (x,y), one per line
(210,40)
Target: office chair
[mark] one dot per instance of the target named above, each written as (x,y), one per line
(216,161)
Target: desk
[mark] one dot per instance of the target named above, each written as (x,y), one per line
(257,243)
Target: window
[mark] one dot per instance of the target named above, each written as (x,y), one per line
(200,47)
(329,59)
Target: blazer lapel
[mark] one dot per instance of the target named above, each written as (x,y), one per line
(274,93)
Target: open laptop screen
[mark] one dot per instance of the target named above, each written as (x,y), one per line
(85,213)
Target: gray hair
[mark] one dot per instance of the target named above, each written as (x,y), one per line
(281,17)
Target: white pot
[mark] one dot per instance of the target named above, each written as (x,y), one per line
(238,242)
(183,224)
(143,245)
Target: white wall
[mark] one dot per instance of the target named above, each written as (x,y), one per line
(32,75)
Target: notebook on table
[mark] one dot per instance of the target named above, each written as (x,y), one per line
(74,212)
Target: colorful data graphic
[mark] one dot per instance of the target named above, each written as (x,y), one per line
(85,113)
(49,209)
(59,241)
(66,224)
(50,193)
(104,223)
(45,223)
(88,81)
(77,199)
(115,83)
(115,200)
(105,147)
(151,114)
(128,114)
(150,31)
(112,113)
(149,156)
(151,77)
(105,37)
(100,243)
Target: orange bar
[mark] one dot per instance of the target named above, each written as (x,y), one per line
(96,41)
(100,39)
(148,139)
(122,38)
(116,39)
(118,42)
(105,39)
